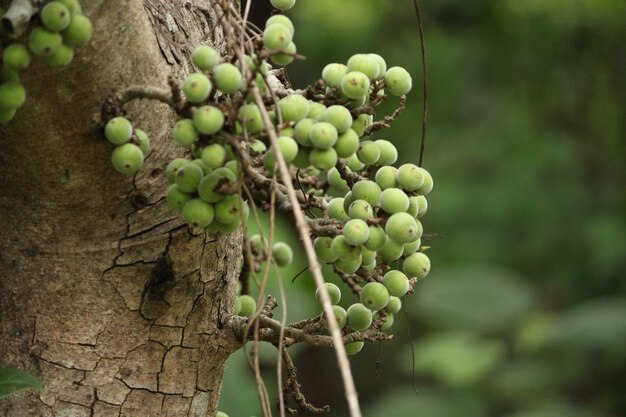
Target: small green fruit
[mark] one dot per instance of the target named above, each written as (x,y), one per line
(398,81)
(44,43)
(173,167)
(144,141)
(403,228)
(323,135)
(323,159)
(356,232)
(394,200)
(360,209)
(355,84)
(386,177)
(16,56)
(227,78)
(248,305)
(410,177)
(367,190)
(332,74)
(394,305)
(208,120)
(359,317)
(323,249)
(118,130)
(127,158)
(283,4)
(282,254)
(333,291)
(376,239)
(396,283)
(12,95)
(55,16)
(177,199)
(188,177)
(185,133)
(197,87)
(198,213)
(214,156)
(336,211)
(280,19)
(293,108)
(276,37)
(374,296)
(343,250)
(78,32)
(338,116)
(204,57)
(62,57)
(368,152)
(366,64)
(416,265)
(354,348)
(347,144)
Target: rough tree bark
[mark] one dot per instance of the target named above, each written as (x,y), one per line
(104,294)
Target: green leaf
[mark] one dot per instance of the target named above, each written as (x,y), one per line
(596,324)
(484,298)
(458,358)
(13,380)
(405,402)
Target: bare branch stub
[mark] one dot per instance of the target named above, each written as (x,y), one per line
(18,16)
(292,390)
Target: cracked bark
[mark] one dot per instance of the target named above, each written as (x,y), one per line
(104,294)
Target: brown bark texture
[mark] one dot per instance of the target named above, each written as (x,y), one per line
(105,294)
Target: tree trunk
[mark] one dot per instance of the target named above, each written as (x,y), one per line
(104,294)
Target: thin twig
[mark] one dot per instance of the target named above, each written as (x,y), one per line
(418,14)
(342,358)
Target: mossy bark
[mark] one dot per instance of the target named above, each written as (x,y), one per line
(105,294)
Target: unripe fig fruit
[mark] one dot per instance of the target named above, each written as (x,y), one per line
(332,74)
(323,249)
(78,31)
(374,296)
(355,84)
(198,213)
(197,87)
(227,78)
(398,81)
(185,133)
(394,200)
(55,16)
(204,57)
(118,130)
(338,116)
(44,43)
(356,232)
(333,291)
(416,265)
(188,177)
(354,348)
(359,317)
(396,283)
(403,228)
(282,254)
(127,158)
(16,56)
(208,120)
(248,305)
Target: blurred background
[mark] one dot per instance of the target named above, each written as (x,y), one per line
(524,311)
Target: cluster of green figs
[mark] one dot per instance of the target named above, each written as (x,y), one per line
(61,27)
(375,206)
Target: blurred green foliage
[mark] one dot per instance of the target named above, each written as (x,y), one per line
(524,312)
